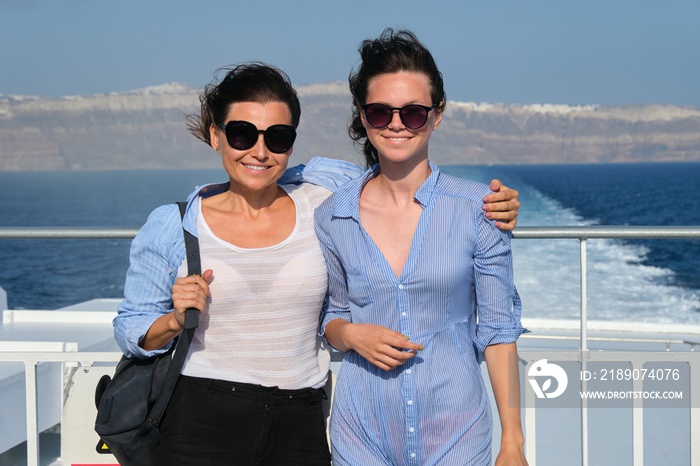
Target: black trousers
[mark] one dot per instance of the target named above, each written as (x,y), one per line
(213,422)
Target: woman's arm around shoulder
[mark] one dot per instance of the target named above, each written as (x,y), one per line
(502,205)
(321,171)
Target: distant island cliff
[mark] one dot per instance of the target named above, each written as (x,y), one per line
(145,129)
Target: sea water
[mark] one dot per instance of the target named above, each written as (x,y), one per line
(631,280)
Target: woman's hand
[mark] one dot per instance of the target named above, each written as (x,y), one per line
(511,455)
(190,292)
(381,346)
(502,205)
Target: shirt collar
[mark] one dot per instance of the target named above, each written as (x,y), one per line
(346,202)
(426,190)
(192,211)
(212,189)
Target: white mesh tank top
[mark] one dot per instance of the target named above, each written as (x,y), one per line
(261,323)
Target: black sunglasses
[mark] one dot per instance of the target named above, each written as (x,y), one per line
(412,116)
(242,135)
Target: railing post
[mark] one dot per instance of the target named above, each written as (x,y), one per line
(30,381)
(694,416)
(584,352)
(584,299)
(638,421)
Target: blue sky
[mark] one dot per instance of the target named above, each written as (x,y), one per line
(613,52)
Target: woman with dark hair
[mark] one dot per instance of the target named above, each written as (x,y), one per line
(251,387)
(420,285)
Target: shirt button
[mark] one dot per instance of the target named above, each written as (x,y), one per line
(410,402)
(411,429)
(400,287)
(408,371)
(403,314)
(413,455)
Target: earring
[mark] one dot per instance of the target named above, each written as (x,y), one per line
(216,148)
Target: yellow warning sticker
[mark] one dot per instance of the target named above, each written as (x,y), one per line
(102,447)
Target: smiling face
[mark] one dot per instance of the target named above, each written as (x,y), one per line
(256,169)
(396,143)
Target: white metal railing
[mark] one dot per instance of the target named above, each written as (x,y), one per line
(583,234)
(31,359)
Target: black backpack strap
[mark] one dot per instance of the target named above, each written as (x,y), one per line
(194,267)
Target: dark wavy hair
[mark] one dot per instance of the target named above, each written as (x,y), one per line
(250,82)
(391,52)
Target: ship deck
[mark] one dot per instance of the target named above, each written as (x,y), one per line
(65,410)
(50,361)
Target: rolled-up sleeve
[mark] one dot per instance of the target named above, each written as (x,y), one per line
(154,258)
(498,304)
(337,302)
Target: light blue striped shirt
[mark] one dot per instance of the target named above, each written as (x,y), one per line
(455,296)
(158,250)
